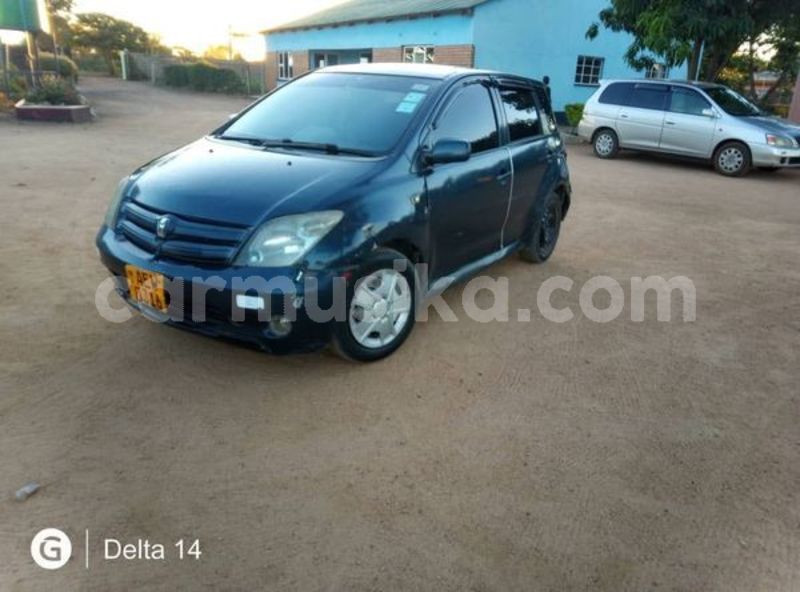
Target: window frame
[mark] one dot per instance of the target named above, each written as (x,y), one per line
(426,48)
(285,65)
(582,67)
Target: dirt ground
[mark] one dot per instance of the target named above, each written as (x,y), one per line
(499,456)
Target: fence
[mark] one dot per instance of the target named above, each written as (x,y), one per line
(151,67)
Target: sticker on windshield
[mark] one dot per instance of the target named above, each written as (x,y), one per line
(420,87)
(406,107)
(414,97)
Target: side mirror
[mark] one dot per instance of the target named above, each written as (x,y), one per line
(445,151)
(709,113)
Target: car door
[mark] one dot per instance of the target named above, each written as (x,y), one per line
(468,200)
(528,136)
(641,121)
(689,124)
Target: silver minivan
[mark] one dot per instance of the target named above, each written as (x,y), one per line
(693,119)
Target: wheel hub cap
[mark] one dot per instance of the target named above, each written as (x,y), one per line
(604,144)
(380,309)
(731,160)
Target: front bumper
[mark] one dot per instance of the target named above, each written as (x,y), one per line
(765,155)
(205,301)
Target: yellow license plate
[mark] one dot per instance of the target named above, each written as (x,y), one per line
(146,287)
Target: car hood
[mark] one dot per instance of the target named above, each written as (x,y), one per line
(229,182)
(775,125)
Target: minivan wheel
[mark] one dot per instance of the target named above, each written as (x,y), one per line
(380,308)
(732,159)
(606,144)
(544,234)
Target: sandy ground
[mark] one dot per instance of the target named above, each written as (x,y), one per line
(500,456)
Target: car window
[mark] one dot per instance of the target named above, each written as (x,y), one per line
(683,100)
(732,103)
(649,96)
(521,113)
(469,117)
(367,112)
(616,93)
(545,102)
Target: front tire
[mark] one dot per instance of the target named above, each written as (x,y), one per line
(380,306)
(545,231)
(733,159)
(605,144)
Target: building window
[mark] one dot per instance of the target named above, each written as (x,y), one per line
(657,72)
(324,59)
(285,65)
(418,54)
(589,70)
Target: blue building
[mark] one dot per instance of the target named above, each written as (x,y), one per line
(534,38)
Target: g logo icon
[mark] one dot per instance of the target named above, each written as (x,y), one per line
(51,548)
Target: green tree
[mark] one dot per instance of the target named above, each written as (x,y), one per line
(107,35)
(674,32)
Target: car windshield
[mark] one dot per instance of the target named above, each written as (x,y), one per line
(347,113)
(731,102)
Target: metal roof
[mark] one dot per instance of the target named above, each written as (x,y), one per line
(358,11)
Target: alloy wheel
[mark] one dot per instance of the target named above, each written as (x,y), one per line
(604,144)
(549,229)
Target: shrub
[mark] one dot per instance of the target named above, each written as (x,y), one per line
(64,66)
(6,103)
(18,87)
(574,112)
(53,91)
(203,76)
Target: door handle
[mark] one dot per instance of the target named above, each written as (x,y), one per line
(503,175)
(623,116)
(669,123)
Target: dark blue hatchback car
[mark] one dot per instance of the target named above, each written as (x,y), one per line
(330,209)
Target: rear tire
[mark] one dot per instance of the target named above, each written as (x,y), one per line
(733,159)
(544,232)
(605,144)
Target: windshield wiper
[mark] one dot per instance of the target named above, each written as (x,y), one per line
(318,146)
(252,141)
(289,143)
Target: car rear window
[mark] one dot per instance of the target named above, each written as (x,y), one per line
(616,93)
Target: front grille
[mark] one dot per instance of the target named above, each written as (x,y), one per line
(188,240)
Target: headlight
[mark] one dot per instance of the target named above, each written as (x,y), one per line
(116,202)
(780,141)
(283,241)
